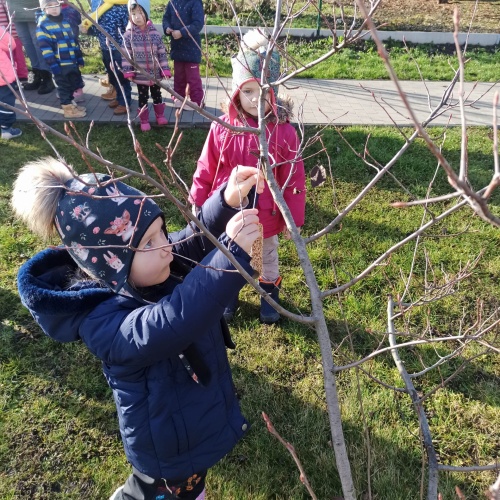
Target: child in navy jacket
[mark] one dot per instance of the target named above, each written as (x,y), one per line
(182,22)
(146,311)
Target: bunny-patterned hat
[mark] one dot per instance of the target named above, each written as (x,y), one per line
(100,221)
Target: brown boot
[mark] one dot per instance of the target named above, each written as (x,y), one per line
(79,108)
(71,111)
(120,110)
(110,94)
(113,103)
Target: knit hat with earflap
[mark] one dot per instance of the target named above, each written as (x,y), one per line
(145,4)
(98,219)
(248,63)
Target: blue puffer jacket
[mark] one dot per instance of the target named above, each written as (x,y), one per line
(171,426)
(192,18)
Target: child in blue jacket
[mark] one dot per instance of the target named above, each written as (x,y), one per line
(182,22)
(146,310)
(62,54)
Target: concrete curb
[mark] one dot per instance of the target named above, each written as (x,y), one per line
(435,37)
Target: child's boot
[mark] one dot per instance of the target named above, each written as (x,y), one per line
(110,94)
(46,84)
(231,309)
(268,314)
(144,117)
(35,83)
(72,111)
(159,113)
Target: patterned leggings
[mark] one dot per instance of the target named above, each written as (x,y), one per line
(144,90)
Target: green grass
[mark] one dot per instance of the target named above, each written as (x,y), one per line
(58,431)
(360,62)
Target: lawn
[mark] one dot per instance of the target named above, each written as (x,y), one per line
(58,431)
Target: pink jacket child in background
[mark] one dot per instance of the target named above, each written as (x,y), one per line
(19,60)
(145,47)
(7,77)
(224,150)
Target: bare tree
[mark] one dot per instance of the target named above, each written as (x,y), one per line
(480,331)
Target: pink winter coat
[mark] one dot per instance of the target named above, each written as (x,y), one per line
(7,73)
(223,150)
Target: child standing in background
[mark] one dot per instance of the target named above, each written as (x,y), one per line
(146,310)
(224,150)
(112,16)
(63,55)
(19,60)
(7,76)
(145,47)
(182,22)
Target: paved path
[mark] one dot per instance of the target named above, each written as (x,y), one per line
(317,102)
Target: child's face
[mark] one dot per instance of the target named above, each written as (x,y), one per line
(53,8)
(152,267)
(137,16)
(249,98)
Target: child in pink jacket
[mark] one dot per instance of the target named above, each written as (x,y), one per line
(7,77)
(224,150)
(7,22)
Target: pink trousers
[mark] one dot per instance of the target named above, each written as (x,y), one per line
(186,73)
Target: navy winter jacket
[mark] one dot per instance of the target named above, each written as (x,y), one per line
(171,426)
(188,17)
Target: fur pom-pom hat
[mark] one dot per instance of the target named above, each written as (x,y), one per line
(99,220)
(248,63)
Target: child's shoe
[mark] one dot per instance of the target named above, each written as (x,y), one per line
(177,103)
(71,111)
(78,95)
(110,94)
(144,117)
(79,108)
(159,113)
(268,313)
(10,133)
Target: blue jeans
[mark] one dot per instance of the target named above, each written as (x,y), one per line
(27,34)
(7,117)
(127,87)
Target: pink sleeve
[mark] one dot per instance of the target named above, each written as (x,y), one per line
(204,176)
(295,193)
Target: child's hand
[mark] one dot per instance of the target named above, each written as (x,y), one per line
(241,180)
(243,228)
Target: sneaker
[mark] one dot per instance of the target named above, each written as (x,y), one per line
(78,95)
(11,133)
(177,103)
(120,110)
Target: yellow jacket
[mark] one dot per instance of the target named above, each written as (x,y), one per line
(106,5)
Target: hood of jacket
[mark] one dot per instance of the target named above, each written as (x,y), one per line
(59,308)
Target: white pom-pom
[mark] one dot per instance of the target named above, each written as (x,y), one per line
(254,40)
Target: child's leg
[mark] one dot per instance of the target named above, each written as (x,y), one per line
(180,80)
(141,487)
(143,110)
(270,280)
(158,105)
(192,72)
(21,67)
(7,117)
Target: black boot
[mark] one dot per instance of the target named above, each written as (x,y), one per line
(35,82)
(268,313)
(231,308)
(47,85)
